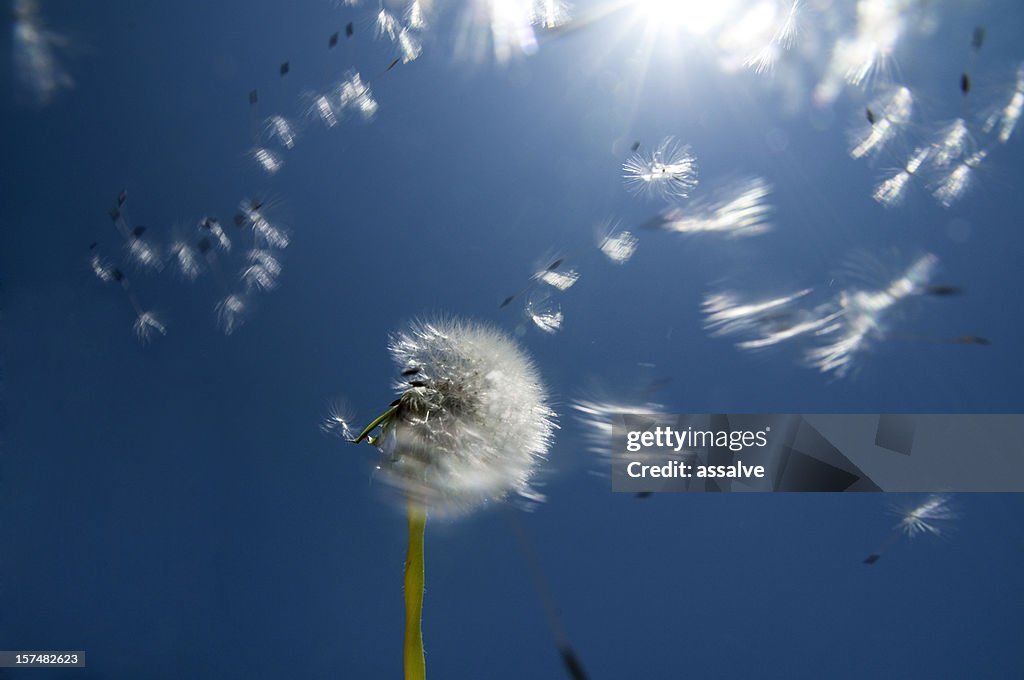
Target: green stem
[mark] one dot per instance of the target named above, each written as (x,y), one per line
(415,665)
(365,434)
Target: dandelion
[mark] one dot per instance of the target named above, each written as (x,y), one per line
(470,426)
(668,172)
(929,517)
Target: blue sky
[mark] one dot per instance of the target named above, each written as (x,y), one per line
(173,508)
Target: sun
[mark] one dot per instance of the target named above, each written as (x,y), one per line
(694,16)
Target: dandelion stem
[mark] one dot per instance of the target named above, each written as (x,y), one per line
(372,426)
(415,665)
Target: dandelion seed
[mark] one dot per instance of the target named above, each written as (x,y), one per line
(338,421)
(279,127)
(954,185)
(739,211)
(322,109)
(861,317)
(387,24)
(266,233)
(353,94)
(103,271)
(187,259)
(1006,118)
(929,517)
(891,113)
(409,45)
(146,324)
(951,144)
(598,415)
(213,227)
(891,191)
(262,272)
(558,280)
(551,13)
(474,430)
(668,172)
(268,160)
(619,246)
(725,314)
(143,253)
(35,54)
(544,312)
(414,17)
(231,313)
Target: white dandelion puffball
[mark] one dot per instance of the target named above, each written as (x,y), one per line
(472,422)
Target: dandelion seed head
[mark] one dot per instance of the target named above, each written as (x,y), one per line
(668,172)
(476,425)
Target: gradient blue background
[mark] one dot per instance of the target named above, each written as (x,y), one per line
(174,510)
